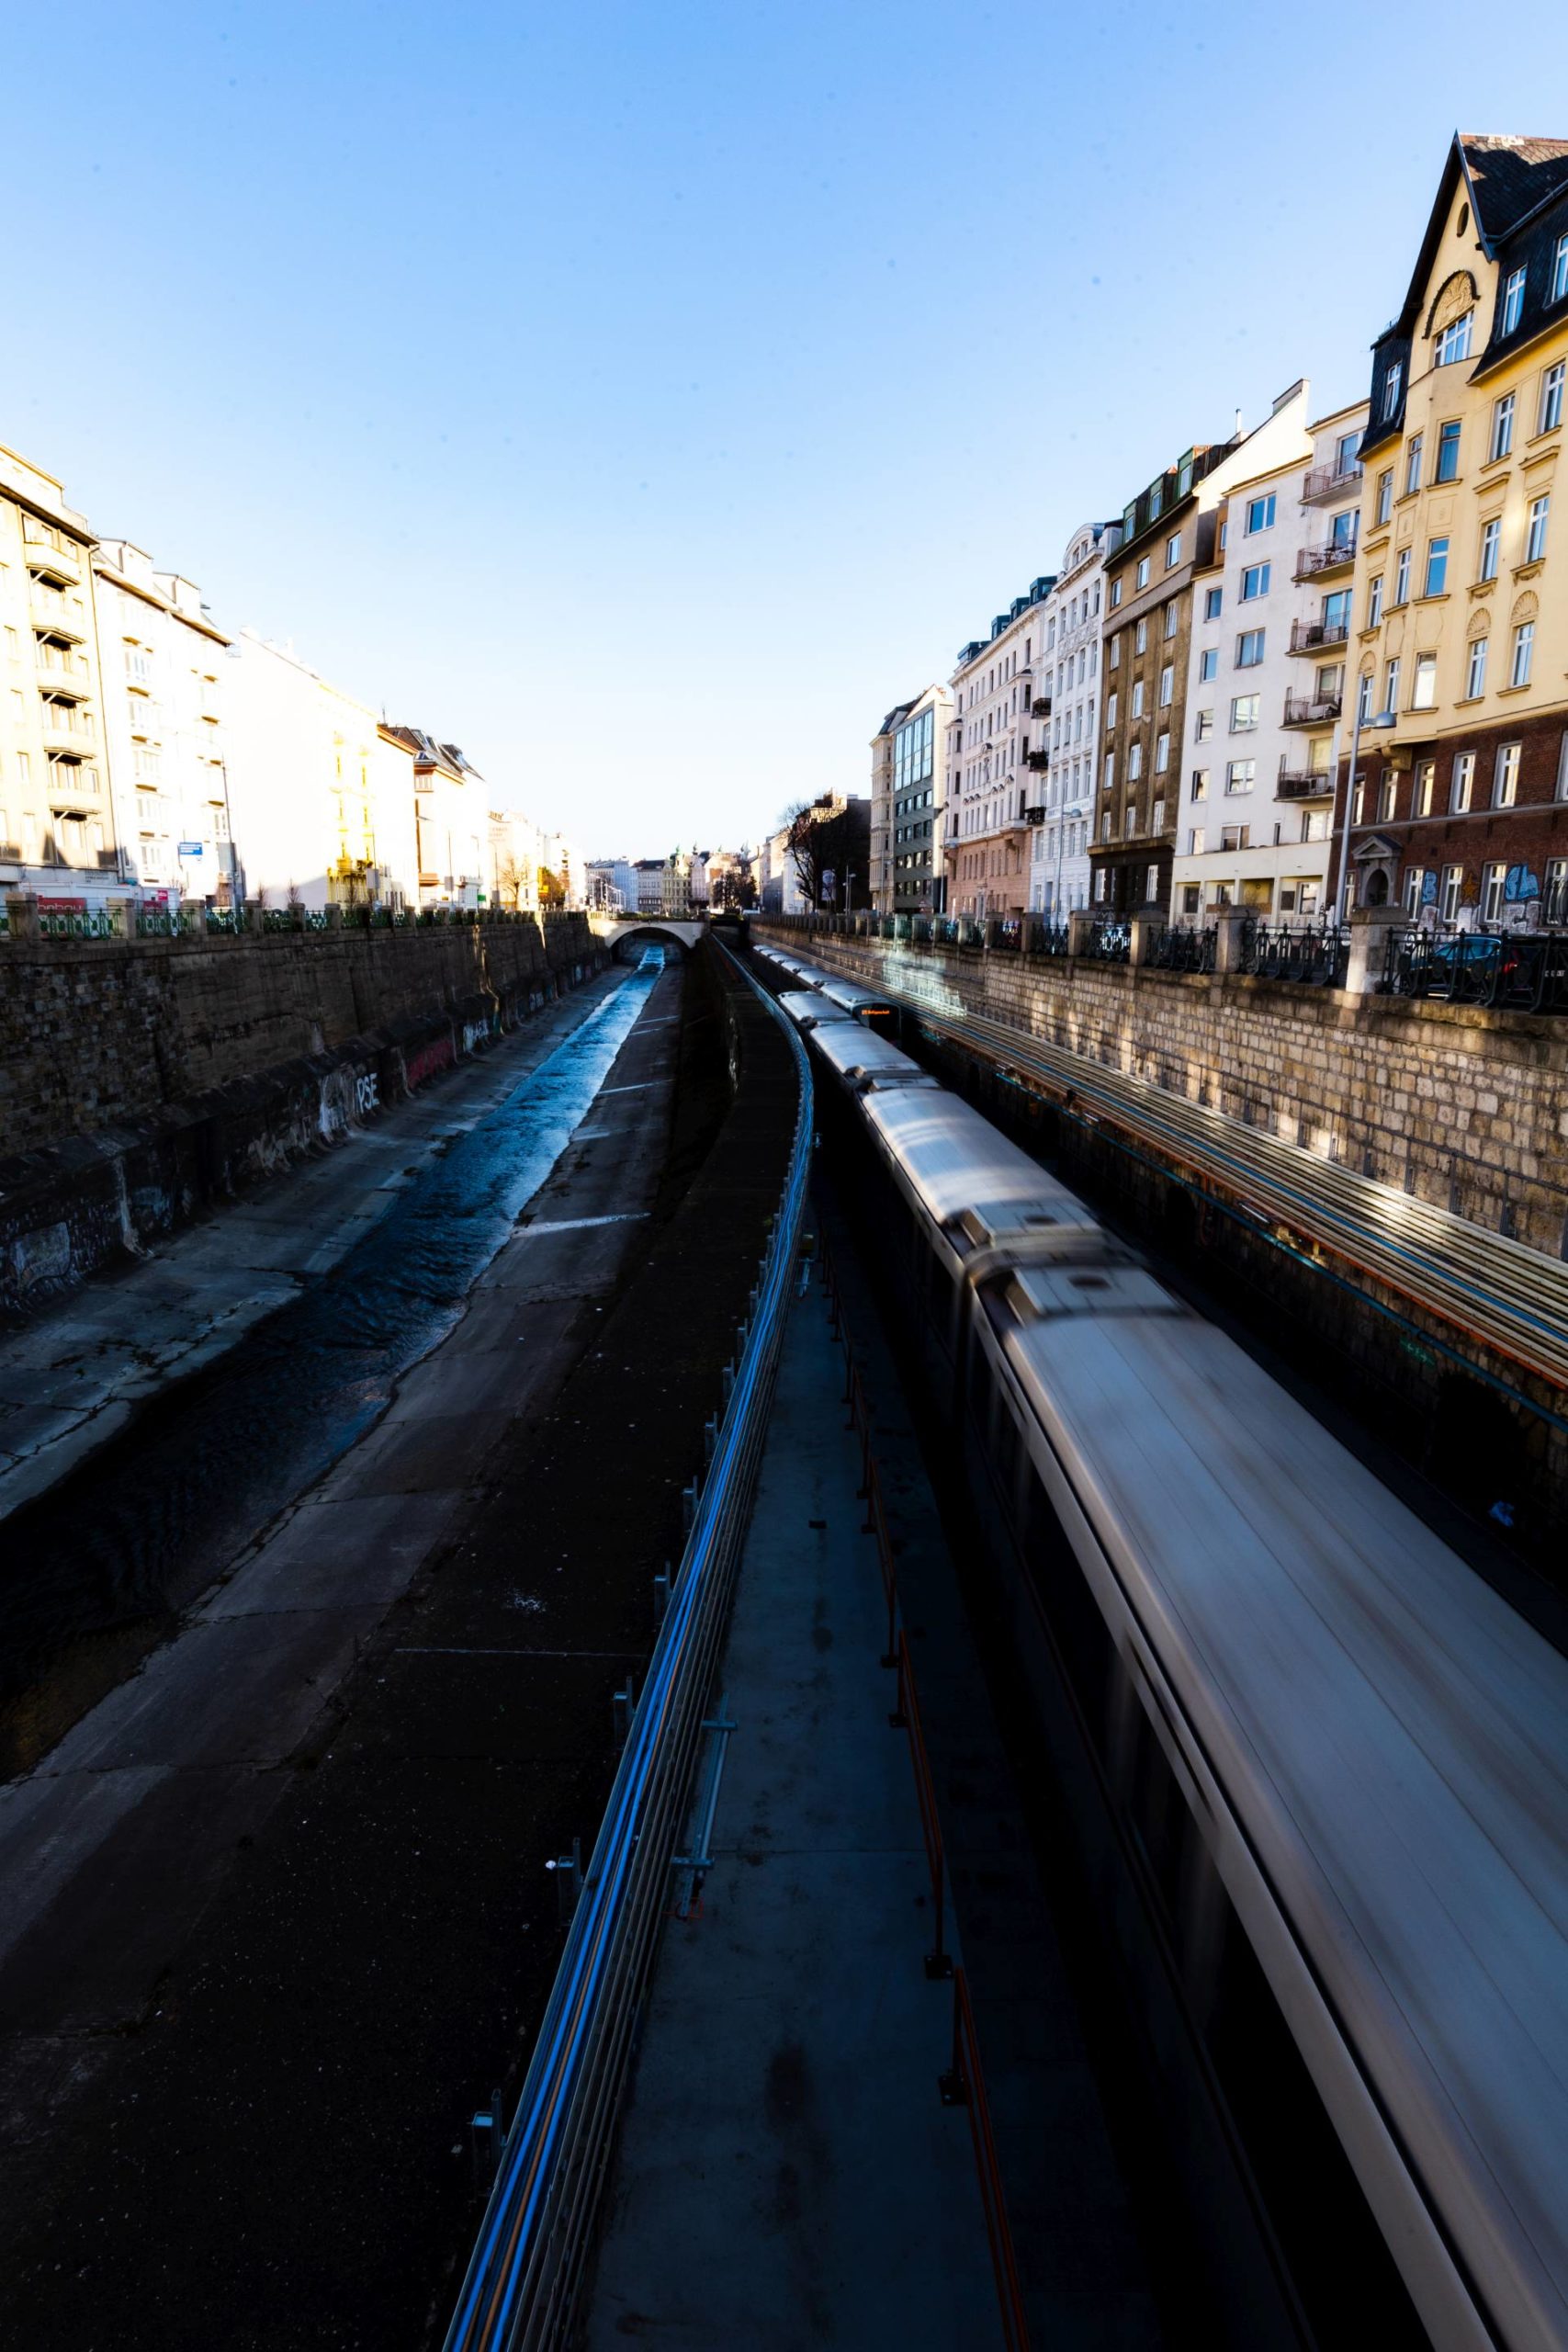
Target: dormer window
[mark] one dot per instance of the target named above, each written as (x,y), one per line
(1392,382)
(1453,344)
(1513,301)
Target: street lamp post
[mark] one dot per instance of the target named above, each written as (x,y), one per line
(1382,719)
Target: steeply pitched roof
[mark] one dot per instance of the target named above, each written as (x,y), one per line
(1511,178)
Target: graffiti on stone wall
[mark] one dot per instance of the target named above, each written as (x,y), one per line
(427,1060)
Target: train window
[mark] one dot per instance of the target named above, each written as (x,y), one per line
(938,1293)
(1341,2267)
(1082,1636)
(981,1386)
(1007,1451)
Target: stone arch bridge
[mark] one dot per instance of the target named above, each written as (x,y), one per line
(627,941)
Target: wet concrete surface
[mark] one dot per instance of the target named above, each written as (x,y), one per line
(279,1942)
(160,1509)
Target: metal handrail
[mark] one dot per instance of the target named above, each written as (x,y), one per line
(523,2278)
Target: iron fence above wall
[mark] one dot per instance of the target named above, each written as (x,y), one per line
(1318,955)
(1512,971)
(1185,947)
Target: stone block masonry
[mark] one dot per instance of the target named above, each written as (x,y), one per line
(141,1081)
(1458,1105)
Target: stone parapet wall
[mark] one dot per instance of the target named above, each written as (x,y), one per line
(1461,1107)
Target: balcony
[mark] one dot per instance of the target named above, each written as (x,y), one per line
(1041,706)
(1039,758)
(66,728)
(62,673)
(1331,481)
(1319,636)
(60,562)
(1034,815)
(52,609)
(1310,710)
(1297,783)
(1338,554)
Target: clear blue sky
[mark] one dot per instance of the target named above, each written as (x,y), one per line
(647,396)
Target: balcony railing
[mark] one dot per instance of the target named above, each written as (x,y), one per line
(1034,815)
(1039,757)
(1302,784)
(1310,710)
(1332,556)
(1331,481)
(1041,706)
(1317,637)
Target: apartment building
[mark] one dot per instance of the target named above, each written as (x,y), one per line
(320,794)
(451,805)
(57,831)
(915,787)
(611,884)
(1272,615)
(1170,536)
(881,877)
(1459,804)
(514,844)
(1066,693)
(997,757)
(164,666)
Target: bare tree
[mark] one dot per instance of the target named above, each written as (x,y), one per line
(824,841)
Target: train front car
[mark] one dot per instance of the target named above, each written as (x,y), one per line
(862,1061)
(863,1003)
(809,1009)
(1336,1767)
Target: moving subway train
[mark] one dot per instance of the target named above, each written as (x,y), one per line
(1317,1769)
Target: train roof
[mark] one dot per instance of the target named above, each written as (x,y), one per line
(852,996)
(807,1010)
(1391,1736)
(854,1051)
(963,1170)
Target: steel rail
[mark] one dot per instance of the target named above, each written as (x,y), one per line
(523,2278)
(1504,1296)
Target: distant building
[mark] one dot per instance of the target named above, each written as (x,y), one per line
(882,808)
(993,733)
(515,857)
(57,830)
(611,884)
(909,755)
(164,676)
(452,809)
(1064,691)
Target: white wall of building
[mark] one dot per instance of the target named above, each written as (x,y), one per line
(164,670)
(1069,673)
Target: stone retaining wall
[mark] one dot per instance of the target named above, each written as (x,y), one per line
(143,1081)
(1461,1106)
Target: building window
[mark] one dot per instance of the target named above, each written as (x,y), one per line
(1214,600)
(1561,793)
(1137,698)
(1391,684)
(1453,344)
(1116,593)
(1166,685)
(1436,567)
(1172,613)
(1461,787)
(1141,576)
(1402,577)
(1412,892)
(1502,439)
(1110,771)
(1413,464)
(1151,884)
(1135,761)
(1506,777)
(1203,726)
(1375,603)
(1475,669)
(1387,787)
(1173,551)
(1195,841)
(1513,300)
(1492,881)
(1249,649)
(1116,652)
(1255,581)
(1245,713)
(1260,513)
(1424,689)
(1552,395)
(1554,905)
(1447,452)
(1241,775)
(1490,541)
(1234,837)
(1394,378)
(1385,495)
(1453,883)
(1208,664)
(1535,537)
(1156,818)
(1524,654)
(1364,698)
(1130,822)
(1423,798)
(1201,781)
(1162,754)
(1559,270)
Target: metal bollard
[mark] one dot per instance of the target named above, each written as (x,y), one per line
(568,1869)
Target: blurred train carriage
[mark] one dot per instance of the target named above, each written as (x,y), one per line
(1317,1770)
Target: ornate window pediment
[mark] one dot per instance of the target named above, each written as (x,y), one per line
(1456,295)
(1480,623)
(1526,607)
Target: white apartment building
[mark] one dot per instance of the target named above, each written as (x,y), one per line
(321,795)
(1266,675)
(997,753)
(164,670)
(611,884)
(517,854)
(57,835)
(1066,693)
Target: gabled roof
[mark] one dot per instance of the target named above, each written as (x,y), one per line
(1507,179)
